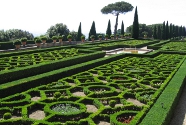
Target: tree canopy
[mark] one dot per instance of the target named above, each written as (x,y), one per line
(116,9)
(58,29)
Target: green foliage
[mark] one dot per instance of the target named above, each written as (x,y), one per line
(117,7)
(92,31)
(112,103)
(60,37)
(108,31)
(17,42)
(79,34)
(38,40)
(92,36)
(54,37)
(100,36)
(43,38)
(57,94)
(12,34)
(65,108)
(58,29)
(83,37)
(122,28)
(135,28)
(24,39)
(69,36)
(7,115)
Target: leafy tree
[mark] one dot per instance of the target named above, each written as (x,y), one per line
(115,9)
(79,34)
(122,28)
(109,32)
(135,28)
(58,29)
(12,34)
(92,31)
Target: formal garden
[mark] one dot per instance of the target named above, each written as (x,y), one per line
(75,86)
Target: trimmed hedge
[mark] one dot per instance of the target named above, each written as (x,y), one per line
(163,109)
(22,72)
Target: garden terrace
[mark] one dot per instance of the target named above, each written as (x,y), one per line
(27,64)
(115,90)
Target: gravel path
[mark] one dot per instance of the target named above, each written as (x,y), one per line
(179,116)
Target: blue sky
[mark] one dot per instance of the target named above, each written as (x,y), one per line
(36,16)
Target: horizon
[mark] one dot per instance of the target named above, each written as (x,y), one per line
(27,15)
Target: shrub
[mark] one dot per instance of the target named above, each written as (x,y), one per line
(100,36)
(83,37)
(57,94)
(54,38)
(17,42)
(69,36)
(43,38)
(112,103)
(24,39)
(107,35)
(38,40)
(92,36)
(60,37)
(7,115)
(112,35)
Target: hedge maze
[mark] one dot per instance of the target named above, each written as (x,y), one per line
(119,89)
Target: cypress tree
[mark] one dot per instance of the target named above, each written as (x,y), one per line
(170,34)
(154,32)
(167,31)
(158,32)
(180,31)
(135,28)
(109,32)
(79,33)
(93,31)
(173,31)
(184,31)
(122,28)
(163,31)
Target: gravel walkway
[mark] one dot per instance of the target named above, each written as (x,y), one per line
(179,116)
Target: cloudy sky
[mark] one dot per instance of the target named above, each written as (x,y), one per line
(36,16)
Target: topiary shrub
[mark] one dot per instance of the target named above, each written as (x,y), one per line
(57,94)
(112,103)
(7,115)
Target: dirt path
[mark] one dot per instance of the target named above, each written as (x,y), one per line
(179,116)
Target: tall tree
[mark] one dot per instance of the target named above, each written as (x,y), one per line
(170,31)
(122,28)
(135,28)
(163,31)
(109,32)
(79,33)
(93,31)
(115,9)
(167,31)
(159,32)
(155,32)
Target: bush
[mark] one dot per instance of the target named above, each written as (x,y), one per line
(92,36)
(69,36)
(57,94)
(17,42)
(43,38)
(54,38)
(60,37)
(7,115)
(38,41)
(24,39)
(112,103)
